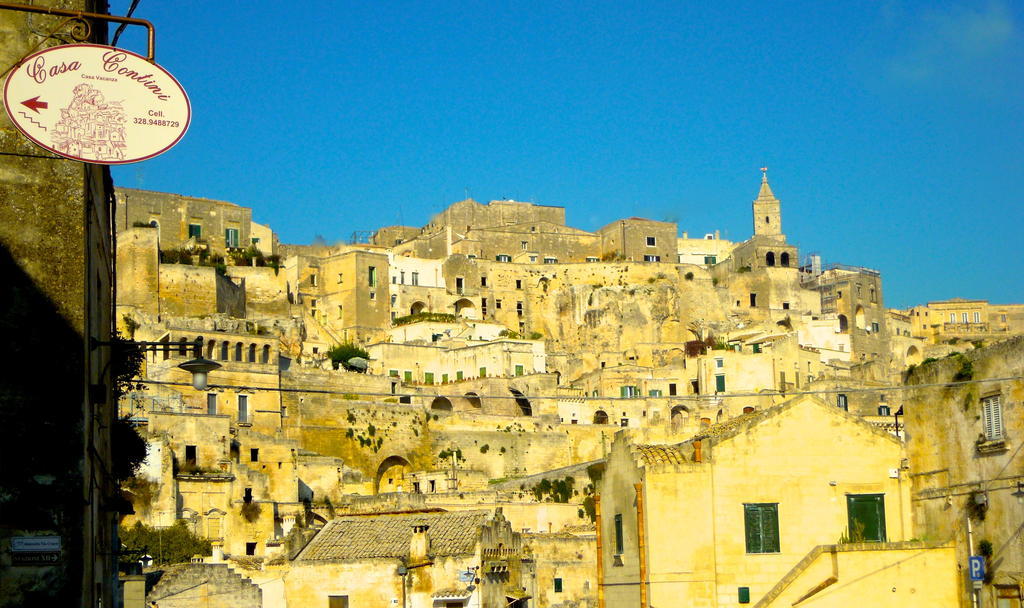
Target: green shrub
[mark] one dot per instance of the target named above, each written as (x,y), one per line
(174,545)
(341,353)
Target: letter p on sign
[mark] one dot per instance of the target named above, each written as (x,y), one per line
(977,567)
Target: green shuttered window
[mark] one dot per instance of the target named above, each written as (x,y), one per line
(761,522)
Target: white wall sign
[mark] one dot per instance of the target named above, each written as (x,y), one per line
(97,104)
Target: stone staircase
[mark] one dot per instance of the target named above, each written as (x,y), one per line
(214,585)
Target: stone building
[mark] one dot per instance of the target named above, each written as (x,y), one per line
(966,472)
(56,391)
(965,319)
(193,222)
(468,558)
(767,538)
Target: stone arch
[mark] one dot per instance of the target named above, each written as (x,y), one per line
(680,415)
(211,347)
(784,259)
(524,404)
(442,404)
(860,320)
(252,353)
(183,345)
(465,308)
(600,417)
(417,307)
(474,400)
(266,354)
(391,475)
(720,416)
(224,348)
(769,258)
(913,355)
(844,324)
(544,283)
(238,351)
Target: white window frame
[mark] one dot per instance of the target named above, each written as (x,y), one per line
(992,418)
(652,241)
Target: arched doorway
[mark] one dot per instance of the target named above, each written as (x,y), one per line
(441,404)
(391,475)
(524,404)
(465,308)
(680,417)
(769,258)
(417,308)
(600,417)
(784,259)
(913,355)
(860,319)
(844,324)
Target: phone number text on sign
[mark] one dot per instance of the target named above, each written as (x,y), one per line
(97,104)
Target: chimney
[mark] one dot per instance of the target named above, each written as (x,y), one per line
(218,552)
(419,544)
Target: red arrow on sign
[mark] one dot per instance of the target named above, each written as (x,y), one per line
(34,104)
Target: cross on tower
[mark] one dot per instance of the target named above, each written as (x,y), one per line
(764,174)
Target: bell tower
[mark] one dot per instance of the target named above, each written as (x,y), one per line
(767,210)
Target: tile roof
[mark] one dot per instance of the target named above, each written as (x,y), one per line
(659,454)
(374,536)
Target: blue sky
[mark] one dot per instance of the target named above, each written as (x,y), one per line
(892,130)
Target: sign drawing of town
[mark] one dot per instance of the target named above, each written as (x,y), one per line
(91,127)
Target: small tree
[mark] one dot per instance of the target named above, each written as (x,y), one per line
(341,353)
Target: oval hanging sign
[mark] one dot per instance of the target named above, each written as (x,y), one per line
(97,104)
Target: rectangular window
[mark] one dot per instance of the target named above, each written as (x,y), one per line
(408,376)
(719,363)
(519,285)
(866,518)
(558,585)
(428,377)
(761,523)
(651,241)
(483,372)
(519,370)
(977,317)
(652,258)
(756,347)
(393,373)
(444,378)
(519,308)
(250,548)
(497,304)
(401,277)
(371,276)
(341,277)
(243,408)
(254,455)
(710,259)
(312,280)
(524,244)
(458,375)
(672,389)
(459,285)
(501,257)
(841,402)
(992,417)
(654,392)
(549,260)
(874,327)
(952,317)
(963,317)
(483,281)
(592,259)
(753,300)
(373,295)
(337,601)
(211,404)
(629,392)
(231,237)
(190,455)
(195,231)
(720,383)
(618,533)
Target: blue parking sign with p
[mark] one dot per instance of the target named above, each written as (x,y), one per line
(976,565)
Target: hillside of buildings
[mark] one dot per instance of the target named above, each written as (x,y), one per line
(497,371)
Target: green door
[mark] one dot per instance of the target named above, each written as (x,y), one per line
(866,515)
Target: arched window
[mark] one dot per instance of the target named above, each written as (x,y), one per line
(266,354)
(252,353)
(844,324)
(441,403)
(769,258)
(524,404)
(860,319)
(224,346)
(784,259)
(210,349)
(238,351)
(600,417)
(183,346)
